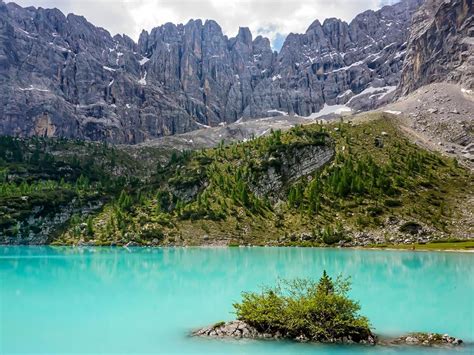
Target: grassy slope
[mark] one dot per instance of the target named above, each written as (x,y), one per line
(204,198)
(447,244)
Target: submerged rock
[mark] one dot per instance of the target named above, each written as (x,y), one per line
(426,339)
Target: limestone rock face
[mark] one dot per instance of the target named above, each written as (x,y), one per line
(62,76)
(441,45)
(288,168)
(334,61)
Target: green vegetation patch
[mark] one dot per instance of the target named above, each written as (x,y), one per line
(304,309)
(270,190)
(438,245)
(212,196)
(41,177)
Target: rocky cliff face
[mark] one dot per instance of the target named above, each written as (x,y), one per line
(62,76)
(441,45)
(286,168)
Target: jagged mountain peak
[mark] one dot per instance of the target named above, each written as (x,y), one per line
(82,82)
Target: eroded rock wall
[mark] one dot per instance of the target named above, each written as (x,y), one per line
(441,46)
(62,76)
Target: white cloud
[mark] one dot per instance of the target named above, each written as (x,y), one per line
(271,18)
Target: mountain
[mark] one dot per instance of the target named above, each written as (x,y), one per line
(435,97)
(440,46)
(62,76)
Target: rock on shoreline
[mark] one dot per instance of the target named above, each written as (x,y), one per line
(234,329)
(241,330)
(427,339)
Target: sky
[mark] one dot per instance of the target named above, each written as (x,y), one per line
(274,19)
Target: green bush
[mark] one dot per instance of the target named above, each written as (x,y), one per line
(392,203)
(218,324)
(374,211)
(319,311)
(330,235)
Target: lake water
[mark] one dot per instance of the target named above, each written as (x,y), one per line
(141,300)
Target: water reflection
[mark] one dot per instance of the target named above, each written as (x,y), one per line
(154,296)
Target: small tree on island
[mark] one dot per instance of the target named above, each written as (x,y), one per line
(305,309)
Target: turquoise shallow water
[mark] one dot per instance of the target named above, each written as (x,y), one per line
(117,300)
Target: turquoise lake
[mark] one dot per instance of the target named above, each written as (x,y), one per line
(143,300)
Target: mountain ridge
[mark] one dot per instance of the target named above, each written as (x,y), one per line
(84,83)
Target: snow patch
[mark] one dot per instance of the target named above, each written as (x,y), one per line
(142,81)
(330,109)
(119,54)
(202,125)
(393,112)
(108,68)
(26,33)
(59,47)
(467,91)
(32,88)
(144,60)
(112,82)
(276,77)
(356,64)
(399,54)
(389,45)
(385,90)
(281,113)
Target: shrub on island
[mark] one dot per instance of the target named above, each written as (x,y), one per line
(306,310)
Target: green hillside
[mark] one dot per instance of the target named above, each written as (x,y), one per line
(42,180)
(342,183)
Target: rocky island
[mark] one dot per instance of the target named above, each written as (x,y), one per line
(307,311)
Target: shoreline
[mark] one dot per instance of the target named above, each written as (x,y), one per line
(405,248)
(239,329)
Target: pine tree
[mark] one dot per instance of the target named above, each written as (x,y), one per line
(90,227)
(325,285)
